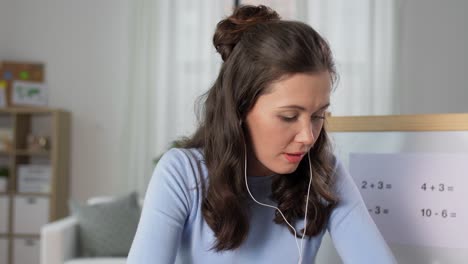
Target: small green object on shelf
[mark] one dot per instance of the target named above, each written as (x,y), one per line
(24,75)
(4,172)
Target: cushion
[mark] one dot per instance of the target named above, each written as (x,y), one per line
(107,229)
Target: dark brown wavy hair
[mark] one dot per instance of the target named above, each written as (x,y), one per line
(257,49)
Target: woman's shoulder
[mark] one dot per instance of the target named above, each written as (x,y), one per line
(338,166)
(182,156)
(344,184)
(185,163)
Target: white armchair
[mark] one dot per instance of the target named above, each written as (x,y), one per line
(59,245)
(59,242)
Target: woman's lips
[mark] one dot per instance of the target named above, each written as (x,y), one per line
(293,157)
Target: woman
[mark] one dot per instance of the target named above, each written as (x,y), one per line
(258,174)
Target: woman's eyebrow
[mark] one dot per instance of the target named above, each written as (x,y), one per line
(325,106)
(298,107)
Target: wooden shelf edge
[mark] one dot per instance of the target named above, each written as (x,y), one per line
(10,193)
(24,235)
(25,152)
(29,110)
(19,235)
(30,194)
(423,122)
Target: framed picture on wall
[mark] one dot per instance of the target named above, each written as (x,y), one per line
(29,93)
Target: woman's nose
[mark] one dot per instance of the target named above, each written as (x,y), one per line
(306,135)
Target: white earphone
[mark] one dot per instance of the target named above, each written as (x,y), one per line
(299,249)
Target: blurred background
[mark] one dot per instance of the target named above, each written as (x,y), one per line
(129,72)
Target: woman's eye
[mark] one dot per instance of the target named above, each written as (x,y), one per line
(288,118)
(318,118)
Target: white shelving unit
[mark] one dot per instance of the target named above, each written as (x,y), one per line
(23,214)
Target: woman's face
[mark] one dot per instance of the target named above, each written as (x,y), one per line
(285,122)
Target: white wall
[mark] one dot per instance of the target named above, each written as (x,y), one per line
(3,20)
(84,45)
(433,56)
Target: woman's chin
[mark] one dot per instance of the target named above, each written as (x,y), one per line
(286,169)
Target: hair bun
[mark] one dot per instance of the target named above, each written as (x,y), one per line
(229,31)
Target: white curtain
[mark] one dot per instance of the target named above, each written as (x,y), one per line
(172,62)
(361,34)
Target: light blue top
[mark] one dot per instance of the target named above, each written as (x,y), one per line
(172,228)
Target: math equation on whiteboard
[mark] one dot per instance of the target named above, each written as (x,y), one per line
(416,198)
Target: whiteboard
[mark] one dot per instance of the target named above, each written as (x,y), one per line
(443,140)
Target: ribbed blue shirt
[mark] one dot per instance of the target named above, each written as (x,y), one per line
(172,228)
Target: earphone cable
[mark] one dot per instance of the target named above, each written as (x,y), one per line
(299,249)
